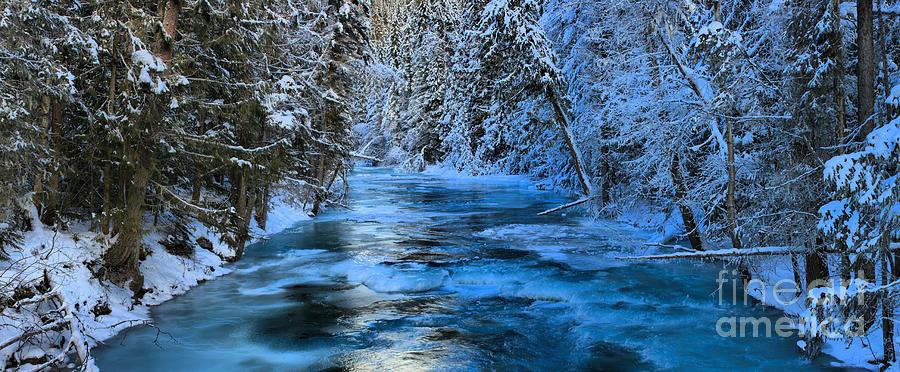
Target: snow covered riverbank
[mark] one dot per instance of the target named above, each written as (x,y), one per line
(860,352)
(54,303)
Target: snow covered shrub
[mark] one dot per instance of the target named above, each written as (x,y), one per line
(866,187)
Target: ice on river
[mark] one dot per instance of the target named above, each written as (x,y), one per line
(432,272)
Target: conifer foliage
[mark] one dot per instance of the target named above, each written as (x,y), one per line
(152,114)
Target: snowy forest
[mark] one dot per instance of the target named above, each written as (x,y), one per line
(147,147)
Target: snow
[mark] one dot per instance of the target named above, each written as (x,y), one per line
(714,28)
(287,83)
(144,77)
(643,215)
(160,87)
(144,58)
(146,62)
(851,354)
(181,80)
(283,119)
(282,215)
(865,184)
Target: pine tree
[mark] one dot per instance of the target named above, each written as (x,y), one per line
(349,41)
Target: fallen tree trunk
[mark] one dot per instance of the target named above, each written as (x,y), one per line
(670,246)
(566,206)
(732,252)
(721,253)
(366,157)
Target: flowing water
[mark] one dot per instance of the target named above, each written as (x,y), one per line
(435,273)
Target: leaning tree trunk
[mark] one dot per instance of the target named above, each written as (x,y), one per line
(565,129)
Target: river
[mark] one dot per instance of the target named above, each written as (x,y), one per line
(429,272)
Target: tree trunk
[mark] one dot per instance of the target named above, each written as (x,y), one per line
(798,281)
(110,112)
(816,267)
(332,176)
(122,260)
(865,69)
(52,201)
(563,120)
(245,210)
(690,225)
(319,193)
(170,24)
(840,97)
(241,191)
(605,182)
(262,206)
(732,208)
(240,202)
(887,303)
(717,10)
(157,204)
(197,185)
(744,270)
(837,43)
(885,76)
(865,87)
(38,187)
(196,189)
(107,186)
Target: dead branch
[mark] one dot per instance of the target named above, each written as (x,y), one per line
(366,157)
(745,252)
(671,246)
(722,253)
(567,206)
